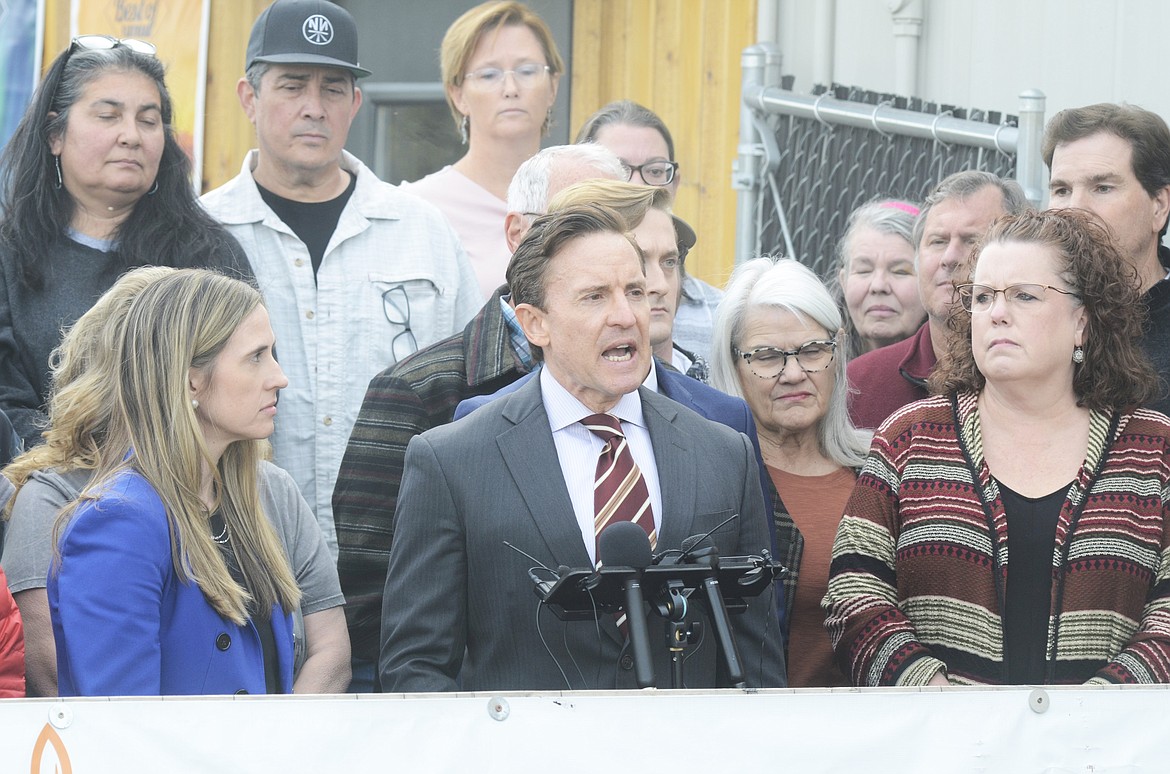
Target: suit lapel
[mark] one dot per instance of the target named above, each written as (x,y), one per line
(531,456)
(676,461)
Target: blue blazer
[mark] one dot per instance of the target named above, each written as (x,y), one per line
(125,625)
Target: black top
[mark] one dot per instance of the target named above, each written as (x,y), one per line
(31,320)
(312,222)
(1031,525)
(261,619)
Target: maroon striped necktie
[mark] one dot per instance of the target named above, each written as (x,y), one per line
(619,490)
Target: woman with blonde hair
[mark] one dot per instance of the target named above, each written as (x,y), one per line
(167,577)
(50,476)
(501,68)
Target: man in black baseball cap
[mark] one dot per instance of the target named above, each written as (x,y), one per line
(356,274)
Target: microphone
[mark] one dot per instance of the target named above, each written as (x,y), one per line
(687,545)
(699,550)
(624,544)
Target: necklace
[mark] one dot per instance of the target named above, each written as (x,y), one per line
(223,536)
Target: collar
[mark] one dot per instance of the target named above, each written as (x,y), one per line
(516,333)
(242,204)
(920,360)
(564,409)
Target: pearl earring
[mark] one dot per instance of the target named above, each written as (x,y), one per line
(194,403)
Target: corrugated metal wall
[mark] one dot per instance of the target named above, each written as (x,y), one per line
(680,58)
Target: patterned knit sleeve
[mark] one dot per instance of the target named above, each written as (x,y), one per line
(1146,657)
(874,642)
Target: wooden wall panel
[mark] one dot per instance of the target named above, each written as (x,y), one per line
(680,58)
(227,133)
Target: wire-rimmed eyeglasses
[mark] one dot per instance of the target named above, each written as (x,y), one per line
(396,307)
(486,78)
(980,298)
(770,362)
(652,172)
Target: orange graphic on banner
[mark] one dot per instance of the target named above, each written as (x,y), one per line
(49,741)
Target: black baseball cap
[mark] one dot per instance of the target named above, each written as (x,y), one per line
(312,32)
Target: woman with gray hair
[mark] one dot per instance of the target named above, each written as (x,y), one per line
(776,344)
(876,281)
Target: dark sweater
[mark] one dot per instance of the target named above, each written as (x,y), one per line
(1156,337)
(31,321)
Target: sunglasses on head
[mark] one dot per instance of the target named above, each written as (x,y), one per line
(106,42)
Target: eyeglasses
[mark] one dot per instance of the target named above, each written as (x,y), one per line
(106,42)
(653,172)
(396,307)
(487,78)
(770,362)
(980,298)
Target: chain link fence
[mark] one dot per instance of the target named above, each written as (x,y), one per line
(809,160)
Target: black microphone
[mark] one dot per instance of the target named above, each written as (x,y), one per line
(624,544)
(684,551)
(700,550)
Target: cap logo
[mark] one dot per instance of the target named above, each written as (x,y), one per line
(318,30)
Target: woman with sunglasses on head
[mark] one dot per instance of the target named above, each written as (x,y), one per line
(93,182)
(500,68)
(777,344)
(1013,529)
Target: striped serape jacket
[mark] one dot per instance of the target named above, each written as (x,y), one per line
(921,556)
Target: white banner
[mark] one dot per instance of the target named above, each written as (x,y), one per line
(872,730)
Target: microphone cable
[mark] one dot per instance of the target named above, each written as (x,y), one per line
(547,649)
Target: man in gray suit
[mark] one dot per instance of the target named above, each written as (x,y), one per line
(458,609)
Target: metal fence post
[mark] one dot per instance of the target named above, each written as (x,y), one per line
(1029,163)
(745,170)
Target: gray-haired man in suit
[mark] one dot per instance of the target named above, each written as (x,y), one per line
(458,609)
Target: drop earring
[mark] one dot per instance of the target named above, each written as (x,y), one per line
(463,129)
(57,164)
(1078,355)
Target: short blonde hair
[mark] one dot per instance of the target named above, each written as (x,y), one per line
(465,33)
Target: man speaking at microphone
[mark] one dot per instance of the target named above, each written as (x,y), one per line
(459,610)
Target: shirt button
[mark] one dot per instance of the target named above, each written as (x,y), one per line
(299,262)
(309,314)
(223,641)
(627,662)
(327,421)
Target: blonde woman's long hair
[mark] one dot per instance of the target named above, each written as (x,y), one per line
(178,323)
(83,369)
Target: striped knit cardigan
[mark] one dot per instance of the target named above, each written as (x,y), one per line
(921,557)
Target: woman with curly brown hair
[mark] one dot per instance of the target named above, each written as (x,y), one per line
(1034,440)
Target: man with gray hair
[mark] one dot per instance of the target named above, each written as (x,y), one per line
(355,273)
(422,392)
(954,216)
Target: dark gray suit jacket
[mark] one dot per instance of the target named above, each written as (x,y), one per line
(453,588)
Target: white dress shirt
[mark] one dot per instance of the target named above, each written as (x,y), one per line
(578,449)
